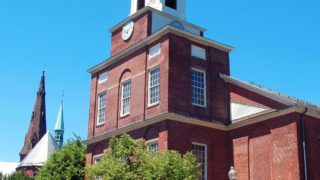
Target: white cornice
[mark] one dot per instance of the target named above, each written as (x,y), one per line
(199,122)
(146,9)
(150,39)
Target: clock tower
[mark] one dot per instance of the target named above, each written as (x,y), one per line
(148,17)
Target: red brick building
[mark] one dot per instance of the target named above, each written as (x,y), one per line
(167,83)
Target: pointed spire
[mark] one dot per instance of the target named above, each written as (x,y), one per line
(37,128)
(59,128)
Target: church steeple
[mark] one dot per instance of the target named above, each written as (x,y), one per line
(37,128)
(59,128)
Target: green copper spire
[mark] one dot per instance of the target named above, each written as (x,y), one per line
(59,128)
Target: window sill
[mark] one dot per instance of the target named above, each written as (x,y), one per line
(153,56)
(100,125)
(122,116)
(200,58)
(200,106)
(153,105)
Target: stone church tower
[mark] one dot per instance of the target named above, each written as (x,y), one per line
(37,128)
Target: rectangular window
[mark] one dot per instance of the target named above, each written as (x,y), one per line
(96,160)
(171,4)
(103,77)
(198,52)
(154,86)
(198,79)
(125,98)
(153,145)
(154,51)
(200,151)
(101,108)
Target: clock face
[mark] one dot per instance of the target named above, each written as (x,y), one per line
(127,30)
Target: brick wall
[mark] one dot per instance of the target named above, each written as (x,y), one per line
(181,137)
(134,67)
(312,130)
(268,150)
(180,66)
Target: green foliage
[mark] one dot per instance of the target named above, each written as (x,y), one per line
(130,159)
(68,163)
(1,175)
(16,176)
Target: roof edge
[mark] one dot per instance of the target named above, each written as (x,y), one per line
(150,39)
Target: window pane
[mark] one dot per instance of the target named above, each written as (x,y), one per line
(155,50)
(198,52)
(200,151)
(126,96)
(103,77)
(154,86)
(154,147)
(198,88)
(101,108)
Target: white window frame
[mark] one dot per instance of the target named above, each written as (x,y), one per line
(101,74)
(206,158)
(94,162)
(122,114)
(99,108)
(205,88)
(198,52)
(155,50)
(153,141)
(149,87)
(95,157)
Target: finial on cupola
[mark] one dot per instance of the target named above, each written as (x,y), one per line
(59,128)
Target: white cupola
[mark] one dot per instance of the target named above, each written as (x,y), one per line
(173,7)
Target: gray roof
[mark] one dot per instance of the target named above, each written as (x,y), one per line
(41,152)
(269,93)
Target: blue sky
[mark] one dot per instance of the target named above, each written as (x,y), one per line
(276,46)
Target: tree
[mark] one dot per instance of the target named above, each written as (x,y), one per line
(1,175)
(15,176)
(129,159)
(67,163)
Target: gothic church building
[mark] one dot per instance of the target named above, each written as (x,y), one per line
(169,84)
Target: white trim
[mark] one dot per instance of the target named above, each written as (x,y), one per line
(156,36)
(149,86)
(148,8)
(98,109)
(205,88)
(156,48)
(121,104)
(98,156)
(206,158)
(195,121)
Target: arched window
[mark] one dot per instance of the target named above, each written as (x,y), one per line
(140,4)
(171,4)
